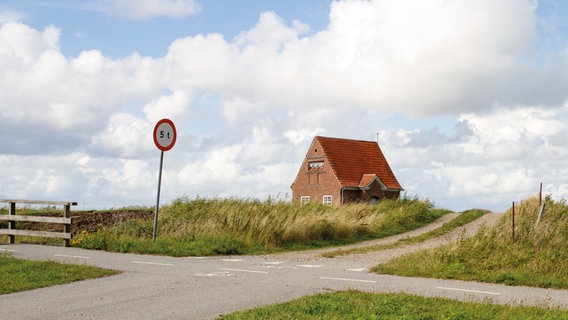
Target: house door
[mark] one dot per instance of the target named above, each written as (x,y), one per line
(373,200)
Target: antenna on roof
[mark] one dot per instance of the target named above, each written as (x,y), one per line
(378,137)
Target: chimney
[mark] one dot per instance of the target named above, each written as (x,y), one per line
(378,138)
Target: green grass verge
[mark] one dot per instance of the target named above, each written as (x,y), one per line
(233,226)
(19,275)
(536,257)
(359,305)
(463,219)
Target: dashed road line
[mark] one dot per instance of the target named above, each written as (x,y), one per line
(152,263)
(243,270)
(349,280)
(70,256)
(313,266)
(232,260)
(468,290)
(214,274)
(357,269)
(9,250)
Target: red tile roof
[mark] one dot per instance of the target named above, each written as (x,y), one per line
(355,162)
(366,179)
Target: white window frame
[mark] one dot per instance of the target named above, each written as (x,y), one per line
(304,199)
(327,200)
(315,165)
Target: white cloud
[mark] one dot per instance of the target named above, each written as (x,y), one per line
(170,106)
(124,137)
(22,45)
(87,120)
(142,9)
(302,135)
(424,58)
(509,152)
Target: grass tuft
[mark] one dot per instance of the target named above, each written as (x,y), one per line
(19,275)
(359,305)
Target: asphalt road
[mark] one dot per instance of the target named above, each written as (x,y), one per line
(156,287)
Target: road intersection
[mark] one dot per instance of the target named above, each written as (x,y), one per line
(158,287)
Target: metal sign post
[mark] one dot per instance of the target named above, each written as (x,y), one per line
(164,138)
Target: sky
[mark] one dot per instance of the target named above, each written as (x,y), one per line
(469,97)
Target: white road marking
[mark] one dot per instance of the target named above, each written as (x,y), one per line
(467,290)
(309,265)
(152,263)
(9,250)
(70,256)
(274,267)
(214,274)
(232,260)
(273,262)
(346,279)
(243,270)
(357,269)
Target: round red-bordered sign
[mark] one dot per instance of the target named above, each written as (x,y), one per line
(165,134)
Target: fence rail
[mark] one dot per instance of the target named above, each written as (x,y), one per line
(12,218)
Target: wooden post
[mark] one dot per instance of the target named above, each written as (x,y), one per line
(540,213)
(513,220)
(12,224)
(540,195)
(67,227)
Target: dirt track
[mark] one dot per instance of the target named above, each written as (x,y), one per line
(382,256)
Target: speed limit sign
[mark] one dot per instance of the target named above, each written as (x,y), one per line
(165,134)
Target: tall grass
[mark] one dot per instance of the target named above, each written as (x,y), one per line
(236,226)
(538,256)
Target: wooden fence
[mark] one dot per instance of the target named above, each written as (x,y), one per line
(12,218)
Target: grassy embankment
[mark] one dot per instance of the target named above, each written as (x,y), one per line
(538,255)
(232,226)
(19,275)
(359,305)
(463,219)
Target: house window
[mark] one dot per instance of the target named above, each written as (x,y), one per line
(327,200)
(315,165)
(304,199)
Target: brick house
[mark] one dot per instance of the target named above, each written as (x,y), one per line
(336,171)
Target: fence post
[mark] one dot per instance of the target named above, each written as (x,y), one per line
(540,195)
(67,227)
(540,213)
(513,220)
(12,224)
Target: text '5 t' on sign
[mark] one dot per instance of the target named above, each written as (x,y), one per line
(165,134)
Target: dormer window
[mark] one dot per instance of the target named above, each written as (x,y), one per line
(315,165)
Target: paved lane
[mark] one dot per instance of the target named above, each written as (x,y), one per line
(156,287)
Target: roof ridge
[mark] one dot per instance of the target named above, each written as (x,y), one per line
(359,140)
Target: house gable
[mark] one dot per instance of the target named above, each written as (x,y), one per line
(316,178)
